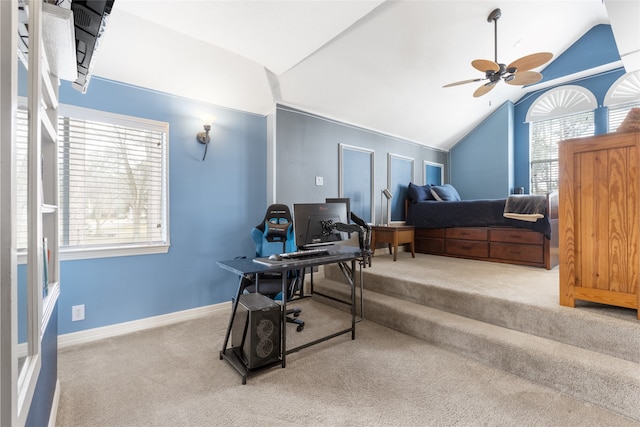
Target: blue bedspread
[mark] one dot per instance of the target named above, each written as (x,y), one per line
(469,213)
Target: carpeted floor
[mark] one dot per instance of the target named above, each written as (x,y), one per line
(172,376)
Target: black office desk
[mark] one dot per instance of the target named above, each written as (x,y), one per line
(242,267)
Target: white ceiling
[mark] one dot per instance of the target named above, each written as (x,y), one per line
(376,64)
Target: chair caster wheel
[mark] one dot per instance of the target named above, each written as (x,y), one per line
(300,328)
(296,314)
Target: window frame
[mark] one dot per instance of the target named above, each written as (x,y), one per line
(558,104)
(142,248)
(553,160)
(72,253)
(623,95)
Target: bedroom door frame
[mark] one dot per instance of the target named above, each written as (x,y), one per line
(430,167)
(398,185)
(344,189)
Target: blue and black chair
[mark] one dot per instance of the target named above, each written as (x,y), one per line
(275,235)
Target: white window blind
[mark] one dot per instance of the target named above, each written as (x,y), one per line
(112,181)
(617,115)
(22,133)
(544,137)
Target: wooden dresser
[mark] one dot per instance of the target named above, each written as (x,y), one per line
(599,214)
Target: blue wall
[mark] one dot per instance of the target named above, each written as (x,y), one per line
(481,164)
(308,146)
(213,205)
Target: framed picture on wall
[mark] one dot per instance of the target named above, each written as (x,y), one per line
(432,173)
(399,174)
(356,179)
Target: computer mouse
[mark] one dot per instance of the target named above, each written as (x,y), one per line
(275,257)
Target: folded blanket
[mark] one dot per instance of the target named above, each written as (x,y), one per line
(525,207)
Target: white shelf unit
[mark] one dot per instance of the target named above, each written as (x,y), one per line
(42,35)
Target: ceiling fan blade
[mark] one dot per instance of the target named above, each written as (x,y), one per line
(485,88)
(529,62)
(462,82)
(525,78)
(485,65)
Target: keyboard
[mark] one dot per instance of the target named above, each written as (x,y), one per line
(304,253)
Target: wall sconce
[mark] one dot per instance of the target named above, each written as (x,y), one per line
(387,194)
(203,137)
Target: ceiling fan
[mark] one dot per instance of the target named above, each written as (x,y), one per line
(517,73)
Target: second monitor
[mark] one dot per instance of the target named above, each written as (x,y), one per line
(313,223)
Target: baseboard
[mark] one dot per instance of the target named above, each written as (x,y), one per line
(95,334)
(54,405)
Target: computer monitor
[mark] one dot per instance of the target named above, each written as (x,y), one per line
(345,200)
(312,223)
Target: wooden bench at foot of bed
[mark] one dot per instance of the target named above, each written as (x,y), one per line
(497,244)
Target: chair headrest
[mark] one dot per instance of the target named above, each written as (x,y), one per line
(276,214)
(275,230)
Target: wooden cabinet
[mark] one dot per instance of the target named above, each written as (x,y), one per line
(599,220)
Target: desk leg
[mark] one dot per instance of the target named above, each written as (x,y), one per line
(233,315)
(353,298)
(283,319)
(361,262)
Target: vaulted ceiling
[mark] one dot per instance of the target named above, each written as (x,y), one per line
(376,64)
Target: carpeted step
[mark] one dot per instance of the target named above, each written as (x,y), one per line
(577,327)
(593,377)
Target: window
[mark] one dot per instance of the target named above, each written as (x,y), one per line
(544,139)
(113,184)
(561,113)
(618,114)
(622,96)
(22,134)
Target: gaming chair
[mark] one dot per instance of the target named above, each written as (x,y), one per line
(275,235)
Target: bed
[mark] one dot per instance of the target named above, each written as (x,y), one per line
(479,229)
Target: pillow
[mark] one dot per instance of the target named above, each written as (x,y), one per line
(445,193)
(416,193)
(420,193)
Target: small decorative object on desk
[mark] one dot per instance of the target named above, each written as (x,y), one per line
(631,123)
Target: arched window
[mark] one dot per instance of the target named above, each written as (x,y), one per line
(561,113)
(622,96)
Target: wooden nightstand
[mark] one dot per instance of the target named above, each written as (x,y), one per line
(394,235)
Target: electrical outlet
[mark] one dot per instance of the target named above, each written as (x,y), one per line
(77,313)
(319,180)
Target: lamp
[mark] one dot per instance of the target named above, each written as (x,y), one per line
(386,193)
(204,138)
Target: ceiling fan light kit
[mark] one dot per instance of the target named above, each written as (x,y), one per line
(517,73)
